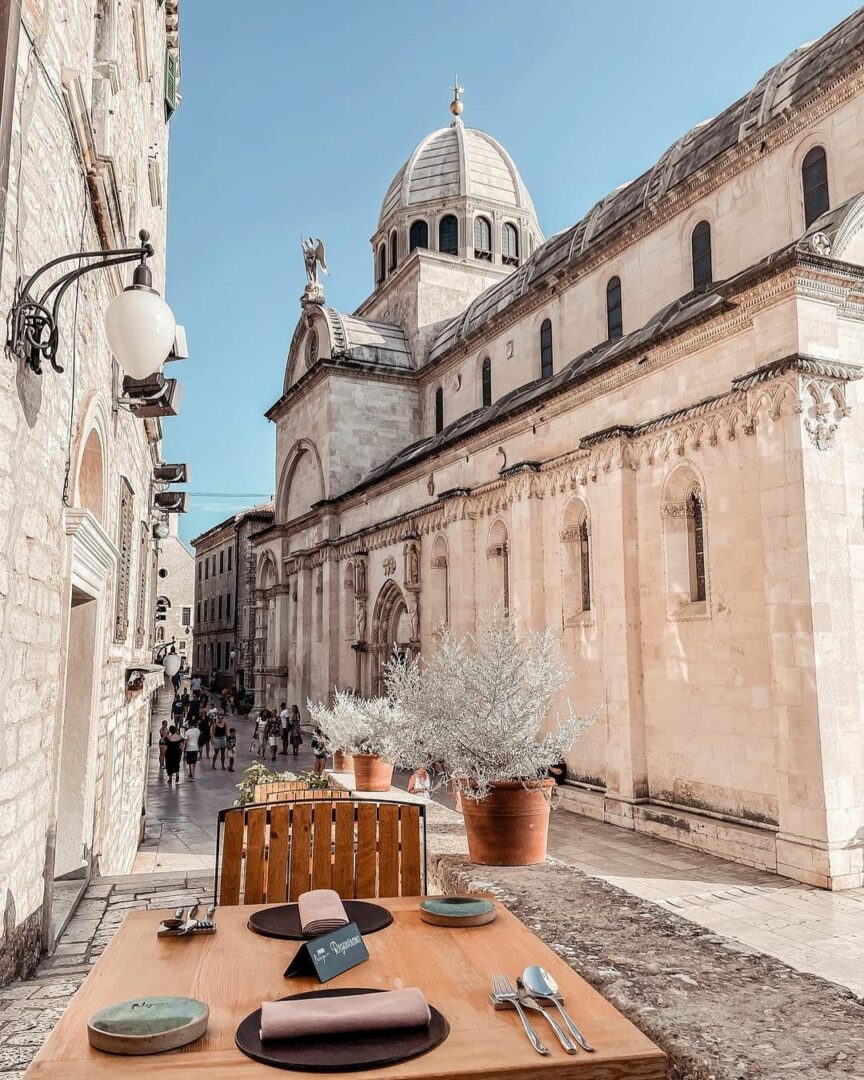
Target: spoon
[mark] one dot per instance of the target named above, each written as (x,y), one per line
(176,922)
(540,984)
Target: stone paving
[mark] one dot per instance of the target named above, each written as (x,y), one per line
(809,929)
(28,1010)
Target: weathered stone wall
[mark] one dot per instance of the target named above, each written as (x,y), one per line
(47,547)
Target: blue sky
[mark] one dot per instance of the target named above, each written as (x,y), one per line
(296,115)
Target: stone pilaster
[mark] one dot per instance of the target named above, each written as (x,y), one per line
(615,558)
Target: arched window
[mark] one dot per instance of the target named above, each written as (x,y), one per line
(575,562)
(546,366)
(498,567)
(486,381)
(683,509)
(614,320)
(394,249)
(448,235)
(382,264)
(700,248)
(509,244)
(439,410)
(482,239)
(418,237)
(814,182)
(440,584)
(696,547)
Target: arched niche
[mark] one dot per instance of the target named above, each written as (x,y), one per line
(301,483)
(91,477)
(498,569)
(440,583)
(575,562)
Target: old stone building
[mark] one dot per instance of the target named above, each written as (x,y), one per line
(175,593)
(642,431)
(225,610)
(88,90)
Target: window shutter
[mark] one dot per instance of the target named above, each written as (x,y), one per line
(172,73)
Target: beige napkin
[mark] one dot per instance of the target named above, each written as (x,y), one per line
(392,1009)
(321,912)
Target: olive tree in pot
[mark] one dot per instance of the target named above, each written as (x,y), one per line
(366,729)
(481,704)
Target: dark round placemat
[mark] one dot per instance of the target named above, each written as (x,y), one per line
(284,921)
(340,1053)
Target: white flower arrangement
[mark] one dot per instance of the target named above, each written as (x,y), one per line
(480,704)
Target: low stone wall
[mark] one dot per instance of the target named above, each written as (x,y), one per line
(718,1010)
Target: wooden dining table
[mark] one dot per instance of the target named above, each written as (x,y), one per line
(234,970)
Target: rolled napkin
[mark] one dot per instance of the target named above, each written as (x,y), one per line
(321,912)
(342,1014)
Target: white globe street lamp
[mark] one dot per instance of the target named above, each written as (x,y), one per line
(140,327)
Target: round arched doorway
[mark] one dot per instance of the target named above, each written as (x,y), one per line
(391,631)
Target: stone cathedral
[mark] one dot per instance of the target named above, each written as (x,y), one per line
(643,430)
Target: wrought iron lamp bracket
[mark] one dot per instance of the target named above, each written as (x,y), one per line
(32,334)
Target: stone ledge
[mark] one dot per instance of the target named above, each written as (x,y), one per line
(745,844)
(719,1010)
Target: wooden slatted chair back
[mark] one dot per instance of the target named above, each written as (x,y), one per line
(264,791)
(272,853)
(311,794)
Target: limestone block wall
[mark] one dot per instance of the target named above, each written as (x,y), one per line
(60,543)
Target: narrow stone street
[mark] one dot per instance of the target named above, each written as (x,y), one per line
(809,929)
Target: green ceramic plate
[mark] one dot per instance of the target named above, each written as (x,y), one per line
(457,910)
(148,1025)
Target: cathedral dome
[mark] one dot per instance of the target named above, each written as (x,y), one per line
(460,195)
(456,162)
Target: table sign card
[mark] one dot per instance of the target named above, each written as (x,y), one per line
(329,955)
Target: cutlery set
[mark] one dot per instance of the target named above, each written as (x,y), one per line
(178,926)
(532,991)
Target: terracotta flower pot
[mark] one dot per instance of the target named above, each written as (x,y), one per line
(371,773)
(341,761)
(510,826)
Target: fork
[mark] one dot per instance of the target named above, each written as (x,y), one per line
(529,1003)
(504,990)
(207,923)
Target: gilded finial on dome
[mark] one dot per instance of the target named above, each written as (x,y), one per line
(456,105)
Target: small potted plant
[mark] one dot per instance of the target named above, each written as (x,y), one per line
(365,728)
(481,704)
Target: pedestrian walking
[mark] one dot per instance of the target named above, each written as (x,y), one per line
(173,754)
(319,749)
(284,725)
(274,729)
(196,684)
(296,731)
(231,747)
(205,725)
(193,743)
(177,711)
(194,709)
(163,731)
(225,698)
(261,732)
(219,735)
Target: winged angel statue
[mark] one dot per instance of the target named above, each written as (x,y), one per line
(313,257)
